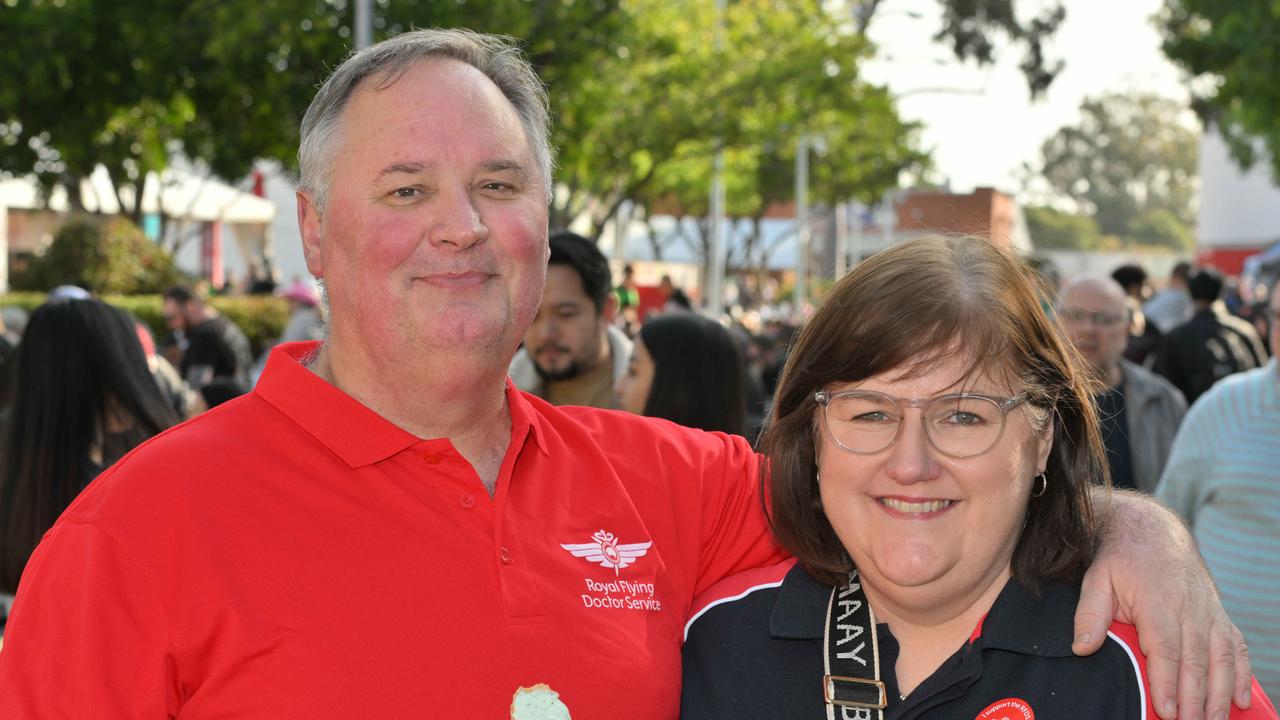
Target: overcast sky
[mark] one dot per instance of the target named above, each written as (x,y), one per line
(982,136)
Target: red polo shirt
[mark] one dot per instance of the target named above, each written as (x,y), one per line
(291,554)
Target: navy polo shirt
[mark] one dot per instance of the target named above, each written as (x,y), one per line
(754,650)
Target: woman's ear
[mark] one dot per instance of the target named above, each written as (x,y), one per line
(1044,444)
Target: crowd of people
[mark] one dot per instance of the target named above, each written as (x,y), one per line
(439,506)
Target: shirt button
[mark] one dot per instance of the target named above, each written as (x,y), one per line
(467,501)
(504,555)
(431,458)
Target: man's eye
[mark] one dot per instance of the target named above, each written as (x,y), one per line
(406,193)
(499,187)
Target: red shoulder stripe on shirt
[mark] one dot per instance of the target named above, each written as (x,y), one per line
(738,586)
(1127,636)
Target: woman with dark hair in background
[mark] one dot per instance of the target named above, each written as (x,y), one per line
(83,396)
(689,370)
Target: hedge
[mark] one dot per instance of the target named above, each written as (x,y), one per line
(261,317)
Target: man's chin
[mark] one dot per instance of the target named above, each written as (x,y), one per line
(555,375)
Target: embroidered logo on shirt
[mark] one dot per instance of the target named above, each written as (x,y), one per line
(606,551)
(1007,709)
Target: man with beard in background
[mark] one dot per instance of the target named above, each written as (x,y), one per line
(572,354)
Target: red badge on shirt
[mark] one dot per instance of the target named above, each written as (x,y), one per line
(1007,709)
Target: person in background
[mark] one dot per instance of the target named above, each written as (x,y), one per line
(1211,345)
(935,462)
(628,295)
(215,347)
(689,370)
(572,353)
(1223,477)
(1139,411)
(184,400)
(1171,305)
(1144,337)
(306,322)
(83,396)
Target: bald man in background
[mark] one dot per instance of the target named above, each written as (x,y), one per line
(1140,411)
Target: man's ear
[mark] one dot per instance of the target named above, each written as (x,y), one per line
(610,309)
(311,225)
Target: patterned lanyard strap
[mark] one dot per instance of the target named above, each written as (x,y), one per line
(851,684)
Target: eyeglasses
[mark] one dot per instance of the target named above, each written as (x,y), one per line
(961,425)
(1097,319)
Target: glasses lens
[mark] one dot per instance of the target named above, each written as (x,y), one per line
(963,426)
(863,422)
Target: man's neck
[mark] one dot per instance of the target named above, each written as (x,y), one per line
(593,388)
(462,399)
(1111,377)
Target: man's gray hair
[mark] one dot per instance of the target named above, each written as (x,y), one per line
(495,56)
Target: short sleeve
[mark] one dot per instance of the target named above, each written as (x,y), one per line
(84,638)
(1187,471)
(736,533)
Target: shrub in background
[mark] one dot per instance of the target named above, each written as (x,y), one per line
(261,317)
(104,255)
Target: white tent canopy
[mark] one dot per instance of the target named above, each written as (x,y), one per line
(179,194)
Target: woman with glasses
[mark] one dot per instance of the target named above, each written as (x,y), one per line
(933,446)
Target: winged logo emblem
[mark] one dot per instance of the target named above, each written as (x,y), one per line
(606,551)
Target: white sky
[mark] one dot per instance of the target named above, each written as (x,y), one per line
(983,137)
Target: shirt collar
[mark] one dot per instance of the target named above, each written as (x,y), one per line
(800,612)
(1027,625)
(343,424)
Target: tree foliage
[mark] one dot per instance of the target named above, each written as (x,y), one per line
(756,105)
(1229,47)
(129,84)
(642,91)
(1053,229)
(1129,164)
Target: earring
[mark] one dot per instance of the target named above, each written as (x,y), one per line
(817,476)
(1044,485)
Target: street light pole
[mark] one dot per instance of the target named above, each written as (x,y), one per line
(714,300)
(803,145)
(364,24)
(801,293)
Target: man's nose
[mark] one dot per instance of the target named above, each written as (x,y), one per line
(544,328)
(457,222)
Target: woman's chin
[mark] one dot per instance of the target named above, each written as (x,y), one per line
(909,567)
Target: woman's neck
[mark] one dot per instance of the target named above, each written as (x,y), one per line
(928,636)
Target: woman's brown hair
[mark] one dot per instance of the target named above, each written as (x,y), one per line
(925,299)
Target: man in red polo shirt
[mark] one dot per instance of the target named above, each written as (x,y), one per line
(385,527)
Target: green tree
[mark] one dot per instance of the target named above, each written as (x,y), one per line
(129,84)
(1229,48)
(1127,157)
(756,108)
(1053,229)
(974,29)
(1161,228)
